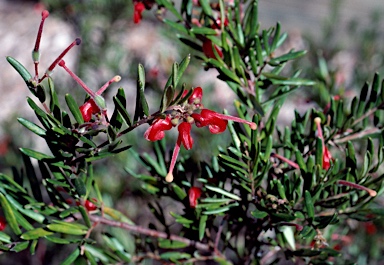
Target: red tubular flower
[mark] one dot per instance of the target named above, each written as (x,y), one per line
(208,49)
(3,223)
(194,193)
(88,109)
(327,156)
(185,135)
(196,96)
(209,118)
(155,132)
(138,9)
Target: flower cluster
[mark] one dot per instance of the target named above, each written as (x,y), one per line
(138,8)
(182,117)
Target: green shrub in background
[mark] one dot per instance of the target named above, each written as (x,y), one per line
(271,194)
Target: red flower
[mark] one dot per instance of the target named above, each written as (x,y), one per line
(216,122)
(194,193)
(196,96)
(138,9)
(185,135)
(88,109)
(155,132)
(208,49)
(327,157)
(370,228)
(3,223)
(90,206)
(209,118)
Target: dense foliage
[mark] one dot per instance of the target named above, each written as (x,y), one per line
(270,194)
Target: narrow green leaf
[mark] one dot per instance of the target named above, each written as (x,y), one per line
(309,205)
(122,110)
(117,120)
(74,108)
(203,31)
(141,103)
(276,37)
(223,192)
(9,215)
(85,216)
(35,154)
(202,225)
(72,257)
(287,57)
(66,228)
(167,98)
(35,234)
(170,7)
(178,26)
(20,246)
(171,244)
(32,127)
(31,174)
(206,7)
(5,238)
(19,68)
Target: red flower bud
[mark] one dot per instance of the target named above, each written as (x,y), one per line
(194,193)
(138,9)
(90,206)
(3,223)
(196,96)
(208,49)
(185,135)
(155,132)
(327,157)
(88,109)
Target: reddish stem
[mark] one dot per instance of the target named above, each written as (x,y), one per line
(371,192)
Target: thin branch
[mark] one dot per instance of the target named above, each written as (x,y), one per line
(146,231)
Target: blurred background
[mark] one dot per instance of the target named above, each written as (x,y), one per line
(344,40)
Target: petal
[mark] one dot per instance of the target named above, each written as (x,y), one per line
(185,135)
(155,132)
(216,123)
(327,157)
(194,193)
(86,111)
(196,96)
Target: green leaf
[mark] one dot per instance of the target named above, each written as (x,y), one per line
(287,57)
(170,7)
(178,26)
(35,184)
(74,108)
(35,154)
(309,205)
(202,225)
(35,234)
(206,7)
(68,228)
(170,244)
(259,214)
(141,102)
(120,106)
(20,246)
(32,127)
(5,238)
(167,98)
(175,255)
(72,257)
(9,215)
(80,186)
(223,192)
(19,68)
(203,31)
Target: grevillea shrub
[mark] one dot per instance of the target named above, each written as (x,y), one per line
(270,195)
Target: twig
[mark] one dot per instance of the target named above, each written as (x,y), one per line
(146,231)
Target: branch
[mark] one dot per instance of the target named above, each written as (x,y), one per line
(146,231)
